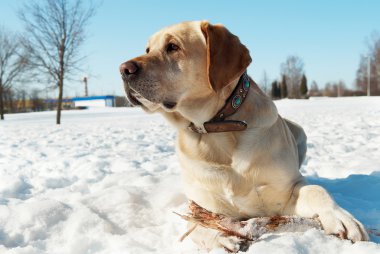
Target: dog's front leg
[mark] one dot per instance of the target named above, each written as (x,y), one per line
(313,200)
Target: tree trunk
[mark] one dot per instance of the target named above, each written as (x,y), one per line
(1,103)
(61,78)
(59,104)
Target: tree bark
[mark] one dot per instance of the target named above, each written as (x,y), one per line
(61,78)
(1,103)
(59,103)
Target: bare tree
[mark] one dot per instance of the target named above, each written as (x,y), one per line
(314,89)
(372,58)
(341,88)
(37,103)
(293,69)
(12,63)
(264,84)
(55,31)
(335,89)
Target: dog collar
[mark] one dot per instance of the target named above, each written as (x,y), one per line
(233,103)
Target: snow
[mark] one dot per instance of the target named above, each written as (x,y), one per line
(107,180)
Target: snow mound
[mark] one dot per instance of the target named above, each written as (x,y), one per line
(107,180)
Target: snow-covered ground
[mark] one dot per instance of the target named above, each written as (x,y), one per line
(107,181)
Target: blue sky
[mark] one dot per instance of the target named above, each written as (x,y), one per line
(329,35)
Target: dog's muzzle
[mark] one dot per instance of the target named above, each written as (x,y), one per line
(128,70)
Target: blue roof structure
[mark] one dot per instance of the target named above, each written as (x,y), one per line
(55,100)
(90,98)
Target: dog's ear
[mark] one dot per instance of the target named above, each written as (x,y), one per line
(227,58)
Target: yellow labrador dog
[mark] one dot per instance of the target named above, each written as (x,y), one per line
(240,160)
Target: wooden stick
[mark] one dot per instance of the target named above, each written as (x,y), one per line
(188,232)
(249,230)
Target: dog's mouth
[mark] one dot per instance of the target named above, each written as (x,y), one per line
(137,99)
(132,98)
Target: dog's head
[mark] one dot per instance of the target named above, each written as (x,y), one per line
(187,69)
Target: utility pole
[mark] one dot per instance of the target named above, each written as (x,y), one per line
(85,79)
(369,77)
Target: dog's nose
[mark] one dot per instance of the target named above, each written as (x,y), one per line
(128,68)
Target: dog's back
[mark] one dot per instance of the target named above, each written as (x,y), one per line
(300,138)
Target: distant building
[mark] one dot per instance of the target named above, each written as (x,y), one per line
(51,104)
(94,101)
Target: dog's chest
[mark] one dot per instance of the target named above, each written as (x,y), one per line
(247,203)
(212,182)
(223,191)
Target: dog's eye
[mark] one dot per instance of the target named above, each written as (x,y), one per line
(171,47)
(147,50)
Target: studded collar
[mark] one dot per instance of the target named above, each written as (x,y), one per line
(233,103)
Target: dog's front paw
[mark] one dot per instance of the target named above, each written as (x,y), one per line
(342,224)
(233,244)
(209,239)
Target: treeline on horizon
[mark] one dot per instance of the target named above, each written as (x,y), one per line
(293,83)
